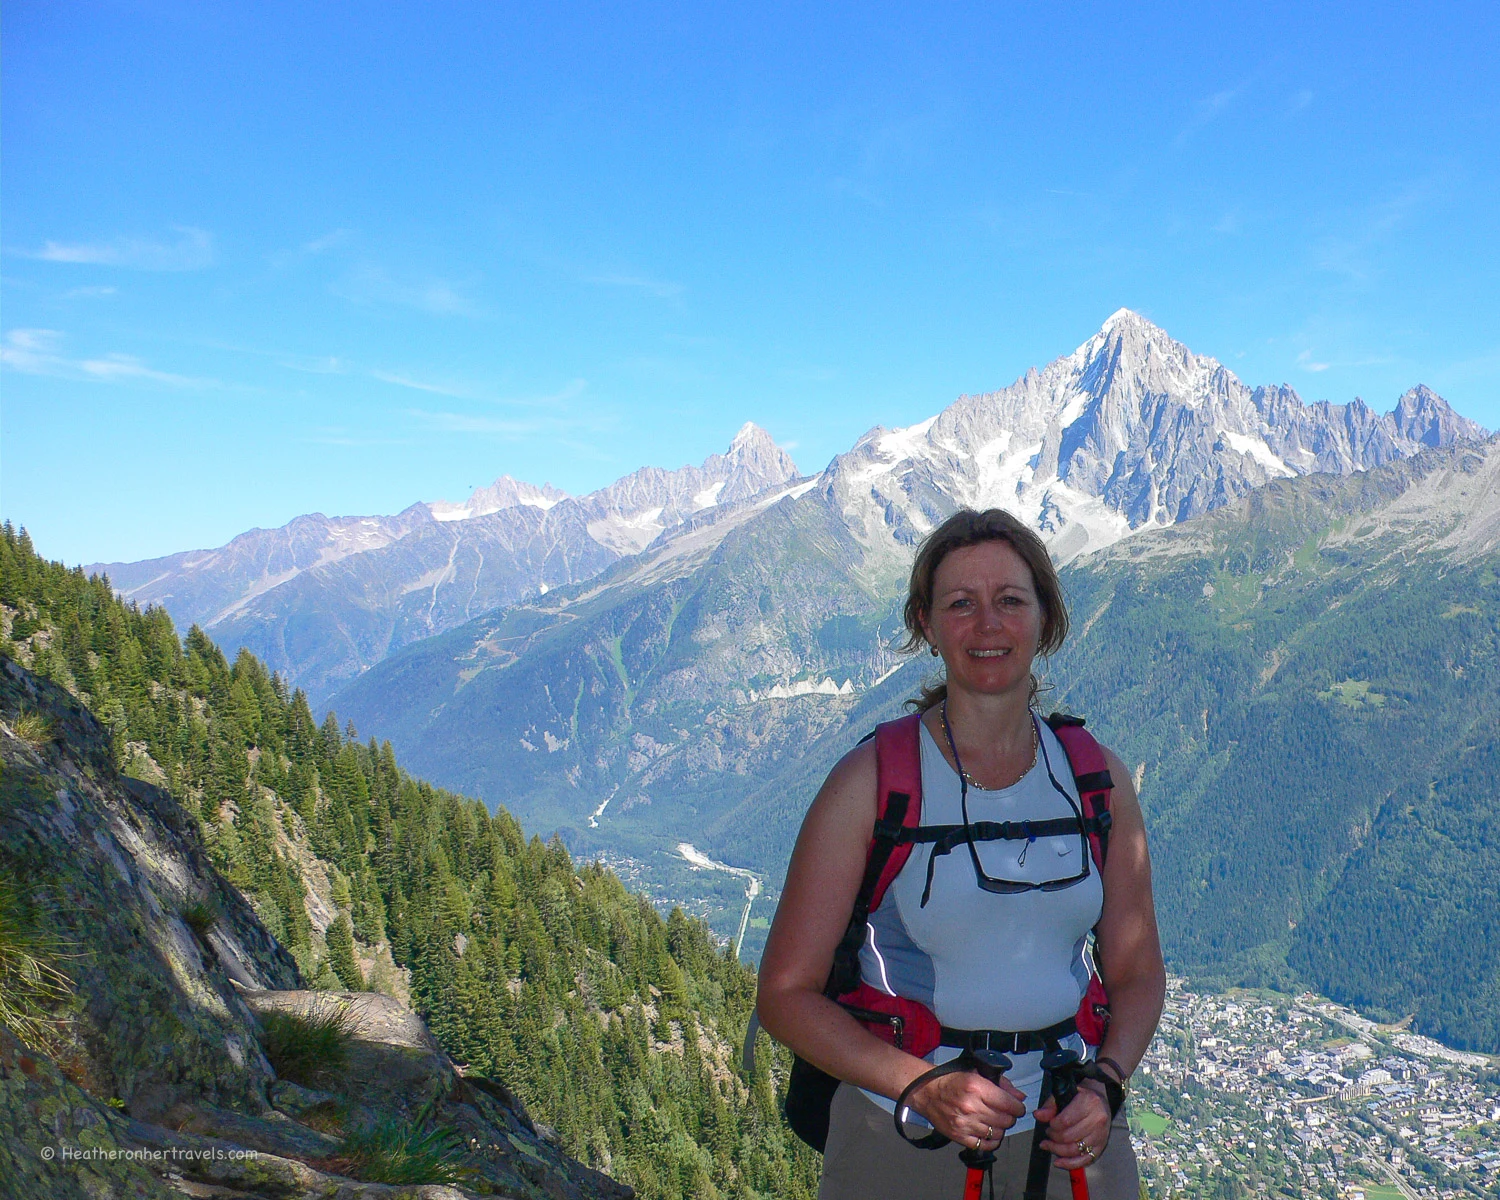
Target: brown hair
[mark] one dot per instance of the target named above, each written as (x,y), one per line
(968,527)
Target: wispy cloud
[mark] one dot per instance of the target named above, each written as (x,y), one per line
(419,385)
(30,350)
(39,352)
(329,241)
(567,392)
(1299,101)
(1205,113)
(871,154)
(314,364)
(338,435)
(1305,361)
(504,427)
(372,285)
(1350,252)
(127,366)
(193,250)
(89,293)
(663,289)
(552,416)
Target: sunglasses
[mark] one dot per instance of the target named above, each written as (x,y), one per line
(986,831)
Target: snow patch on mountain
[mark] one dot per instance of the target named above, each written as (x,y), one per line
(504,493)
(804,687)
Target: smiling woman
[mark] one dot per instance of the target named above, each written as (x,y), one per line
(962,1000)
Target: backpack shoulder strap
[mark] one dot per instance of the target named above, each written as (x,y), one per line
(898,788)
(1090,776)
(898,806)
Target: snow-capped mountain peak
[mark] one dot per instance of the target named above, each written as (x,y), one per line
(1131,429)
(632,512)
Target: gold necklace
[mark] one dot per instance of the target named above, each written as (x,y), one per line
(969,779)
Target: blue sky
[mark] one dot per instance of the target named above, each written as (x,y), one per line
(258,260)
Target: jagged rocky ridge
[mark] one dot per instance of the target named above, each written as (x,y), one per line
(320,599)
(1132,429)
(159,1051)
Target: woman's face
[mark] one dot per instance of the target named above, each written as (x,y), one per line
(986,620)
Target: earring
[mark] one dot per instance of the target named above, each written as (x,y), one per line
(934,652)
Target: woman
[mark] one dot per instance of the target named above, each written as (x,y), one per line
(984,597)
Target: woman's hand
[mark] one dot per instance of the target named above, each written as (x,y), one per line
(1084,1123)
(965,1106)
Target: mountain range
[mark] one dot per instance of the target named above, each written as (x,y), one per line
(1130,430)
(568,699)
(321,599)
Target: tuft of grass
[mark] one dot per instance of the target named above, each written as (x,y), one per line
(312,1046)
(200,915)
(32,986)
(398,1150)
(34,729)
(327,1117)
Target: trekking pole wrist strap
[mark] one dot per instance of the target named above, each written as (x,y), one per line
(933,1140)
(1114,1091)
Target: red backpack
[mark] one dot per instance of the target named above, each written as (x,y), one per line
(907,1024)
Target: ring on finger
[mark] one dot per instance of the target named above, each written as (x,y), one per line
(989,1133)
(1086,1150)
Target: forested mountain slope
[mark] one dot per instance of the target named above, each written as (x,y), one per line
(147,1014)
(1311,680)
(1261,665)
(615,1026)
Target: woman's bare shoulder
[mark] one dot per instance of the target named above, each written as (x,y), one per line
(848,794)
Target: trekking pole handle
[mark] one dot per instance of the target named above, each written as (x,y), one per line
(990,1064)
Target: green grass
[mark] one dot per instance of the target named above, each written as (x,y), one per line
(308,1047)
(200,916)
(1382,1191)
(1151,1123)
(32,985)
(1353,693)
(397,1150)
(34,729)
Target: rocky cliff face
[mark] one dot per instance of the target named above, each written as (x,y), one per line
(162,1048)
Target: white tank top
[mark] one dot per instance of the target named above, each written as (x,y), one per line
(984,960)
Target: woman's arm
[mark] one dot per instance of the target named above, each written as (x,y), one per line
(827,865)
(1130,963)
(1129,948)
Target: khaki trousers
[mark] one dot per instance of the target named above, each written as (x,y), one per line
(866,1160)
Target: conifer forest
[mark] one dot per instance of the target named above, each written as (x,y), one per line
(618,1028)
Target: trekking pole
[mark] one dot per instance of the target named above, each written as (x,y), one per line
(1061,1070)
(991,1064)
